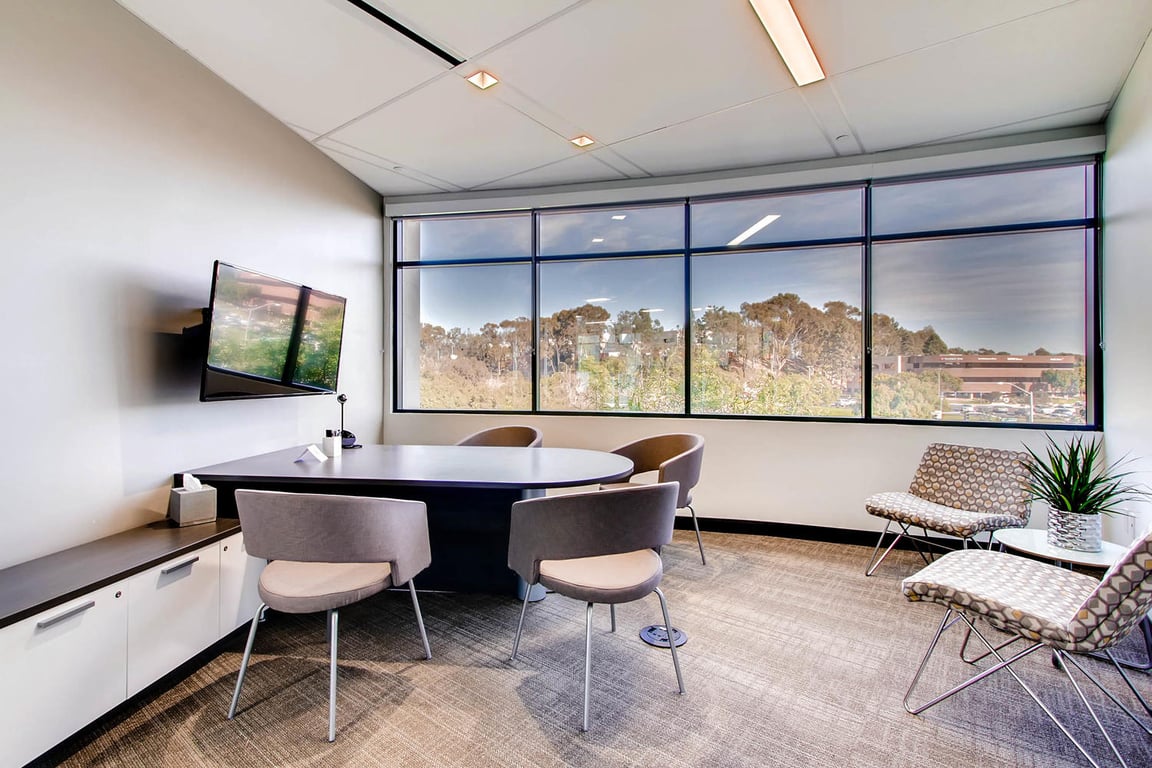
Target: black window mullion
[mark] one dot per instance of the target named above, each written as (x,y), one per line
(688,318)
(866,310)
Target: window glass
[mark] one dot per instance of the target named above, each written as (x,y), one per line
(1018,197)
(777,332)
(612,230)
(611,335)
(988,329)
(778,218)
(466,337)
(471,237)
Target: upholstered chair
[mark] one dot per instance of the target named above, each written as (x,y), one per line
(326,552)
(1047,606)
(958,490)
(595,547)
(674,457)
(505,437)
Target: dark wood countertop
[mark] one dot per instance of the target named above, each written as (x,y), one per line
(43,583)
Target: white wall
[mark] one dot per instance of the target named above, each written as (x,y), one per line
(1128,276)
(126,168)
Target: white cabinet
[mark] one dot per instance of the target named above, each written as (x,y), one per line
(173,614)
(60,670)
(239,577)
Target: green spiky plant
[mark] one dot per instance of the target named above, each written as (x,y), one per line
(1071,478)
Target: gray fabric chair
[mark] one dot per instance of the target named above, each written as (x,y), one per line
(327,552)
(958,490)
(675,457)
(1067,612)
(597,547)
(505,437)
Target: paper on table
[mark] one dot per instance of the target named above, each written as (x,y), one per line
(311,453)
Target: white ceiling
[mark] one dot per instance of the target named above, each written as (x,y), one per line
(666,87)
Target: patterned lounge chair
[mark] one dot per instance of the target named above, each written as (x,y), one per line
(1068,612)
(958,490)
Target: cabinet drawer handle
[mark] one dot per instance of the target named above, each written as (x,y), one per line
(45,623)
(179,566)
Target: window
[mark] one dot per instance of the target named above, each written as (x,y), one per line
(958,299)
(464,328)
(991,326)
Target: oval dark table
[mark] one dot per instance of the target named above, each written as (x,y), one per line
(469,491)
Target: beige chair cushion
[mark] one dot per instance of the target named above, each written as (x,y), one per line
(605,578)
(1037,600)
(913,510)
(295,587)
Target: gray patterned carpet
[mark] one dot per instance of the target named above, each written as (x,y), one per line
(794,659)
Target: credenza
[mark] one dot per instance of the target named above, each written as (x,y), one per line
(87,628)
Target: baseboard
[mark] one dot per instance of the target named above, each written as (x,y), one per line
(795,531)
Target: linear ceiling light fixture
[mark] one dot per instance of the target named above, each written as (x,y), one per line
(483,80)
(779,18)
(754,228)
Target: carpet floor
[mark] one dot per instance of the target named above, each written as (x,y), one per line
(794,658)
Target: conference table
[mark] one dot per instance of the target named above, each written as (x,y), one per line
(469,492)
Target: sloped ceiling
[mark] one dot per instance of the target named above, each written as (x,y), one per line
(665,87)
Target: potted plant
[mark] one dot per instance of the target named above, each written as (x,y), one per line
(1079,490)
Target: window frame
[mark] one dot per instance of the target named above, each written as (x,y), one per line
(1091,225)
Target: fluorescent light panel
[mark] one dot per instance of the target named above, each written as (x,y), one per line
(779,19)
(754,228)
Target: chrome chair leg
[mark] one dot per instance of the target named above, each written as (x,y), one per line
(612,613)
(1108,693)
(1064,657)
(699,541)
(950,618)
(419,619)
(671,645)
(587,662)
(873,563)
(334,634)
(256,619)
(520,625)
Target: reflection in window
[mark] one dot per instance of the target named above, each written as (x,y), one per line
(988,329)
(777,332)
(611,335)
(612,230)
(794,217)
(1016,197)
(466,337)
(467,237)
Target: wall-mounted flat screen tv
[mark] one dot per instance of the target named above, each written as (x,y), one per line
(268,337)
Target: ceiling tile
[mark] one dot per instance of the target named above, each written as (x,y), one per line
(622,69)
(773,130)
(847,34)
(1086,116)
(467,29)
(380,174)
(313,64)
(1063,60)
(585,167)
(451,130)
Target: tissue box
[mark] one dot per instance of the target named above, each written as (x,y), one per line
(188,507)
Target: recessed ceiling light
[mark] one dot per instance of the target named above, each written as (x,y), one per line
(779,19)
(619,217)
(754,228)
(482,80)
(583,141)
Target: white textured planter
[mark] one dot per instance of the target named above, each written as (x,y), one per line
(1072,530)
